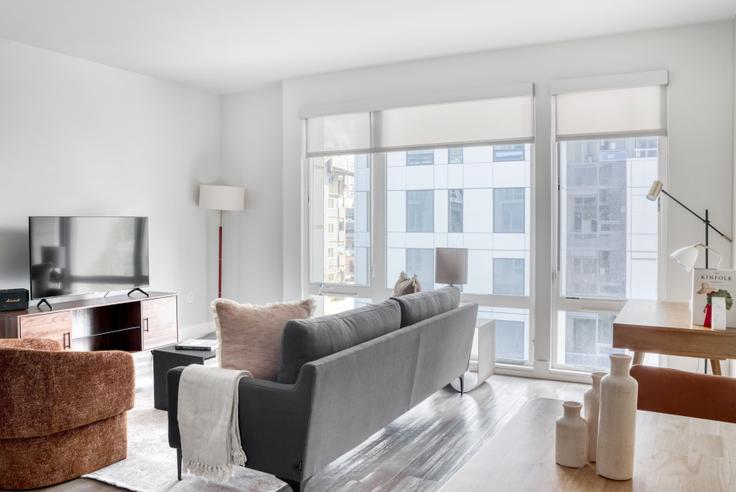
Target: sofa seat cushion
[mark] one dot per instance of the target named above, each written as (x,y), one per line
(250,335)
(422,305)
(306,340)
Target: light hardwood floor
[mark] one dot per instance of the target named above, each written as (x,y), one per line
(417,452)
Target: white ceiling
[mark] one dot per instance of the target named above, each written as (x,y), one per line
(231,45)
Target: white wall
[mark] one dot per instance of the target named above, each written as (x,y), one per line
(251,154)
(81,138)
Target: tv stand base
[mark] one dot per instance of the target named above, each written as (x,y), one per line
(44,301)
(138,289)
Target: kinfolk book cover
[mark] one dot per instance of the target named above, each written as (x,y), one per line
(707,284)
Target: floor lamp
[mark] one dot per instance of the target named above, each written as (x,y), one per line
(221,198)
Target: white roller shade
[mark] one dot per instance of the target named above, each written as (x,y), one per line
(504,119)
(631,104)
(339,134)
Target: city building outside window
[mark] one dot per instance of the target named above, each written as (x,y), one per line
(420,262)
(420,158)
(509,153)
(455,155)
(455,210)
(420,211)
(508,276)
(508,210)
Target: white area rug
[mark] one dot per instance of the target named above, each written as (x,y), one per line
(151,463)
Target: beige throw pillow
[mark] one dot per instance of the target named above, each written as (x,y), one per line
(250,336)
(405,285)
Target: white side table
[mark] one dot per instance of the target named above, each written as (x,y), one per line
(486,336)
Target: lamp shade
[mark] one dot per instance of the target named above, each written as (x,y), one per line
(451,266)
(655,190)
(217,197)
(687,256)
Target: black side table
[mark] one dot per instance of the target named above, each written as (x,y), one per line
(166,358)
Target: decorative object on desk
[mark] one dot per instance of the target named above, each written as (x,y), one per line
(617,421)
(718,321)
(451,266)
(591,410)
(405,285)
(570,435)
(707,286)
(249,336)
(221,198)
(203,344)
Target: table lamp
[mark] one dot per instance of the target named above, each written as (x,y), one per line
(451,266)
(221,198)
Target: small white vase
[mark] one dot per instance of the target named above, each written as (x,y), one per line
(570,434)
(591,406)
(617,421)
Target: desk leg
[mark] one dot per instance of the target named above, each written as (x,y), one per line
(715,364)
(638,358)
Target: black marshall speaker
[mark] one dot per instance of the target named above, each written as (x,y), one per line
(13,299)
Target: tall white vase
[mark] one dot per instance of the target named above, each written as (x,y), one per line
(570,433)
(591,407)
(617,421)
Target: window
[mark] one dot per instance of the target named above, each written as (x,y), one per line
(609,226)
(509,153)
(420,211)
(608,145)
(512,334)
(420,158)
(455,210)
(420,262)
(455,155)
(508,276)
(433,187)
(508,207)
(587,340)
(340,218)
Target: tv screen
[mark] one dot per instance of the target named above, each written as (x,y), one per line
(78,255)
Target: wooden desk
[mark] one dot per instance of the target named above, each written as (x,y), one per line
(672,453)
(664,328)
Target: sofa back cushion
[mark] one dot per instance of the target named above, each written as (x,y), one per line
(422,305)
(250,335)
(305,340)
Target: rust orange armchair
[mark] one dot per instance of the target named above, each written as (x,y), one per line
(685,393)
(62,413)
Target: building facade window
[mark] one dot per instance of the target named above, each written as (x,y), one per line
(420,211)
(455,155)
(420,262)
(420,158)
(509,210)
(509,153)
(455,211)
(508,276)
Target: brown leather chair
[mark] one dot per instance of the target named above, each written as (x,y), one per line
(685,393)
(62,413)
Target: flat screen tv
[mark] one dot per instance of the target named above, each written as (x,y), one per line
(81,255)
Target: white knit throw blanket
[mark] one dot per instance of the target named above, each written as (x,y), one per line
(208,421)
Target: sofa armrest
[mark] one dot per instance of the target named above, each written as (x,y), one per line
(30,344)
(274,419)
(43,392)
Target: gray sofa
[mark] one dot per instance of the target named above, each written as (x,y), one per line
(344,377)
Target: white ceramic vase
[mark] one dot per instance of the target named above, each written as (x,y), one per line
(570,435)
(617,421)
(591,406)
